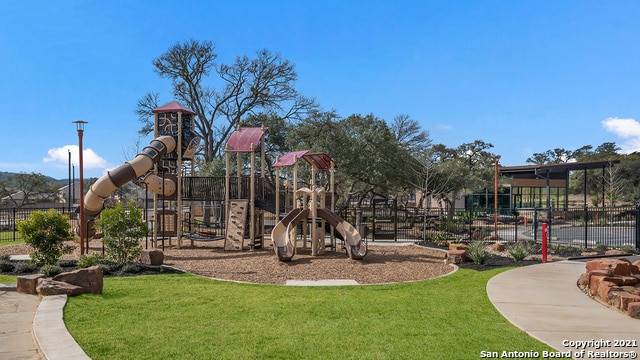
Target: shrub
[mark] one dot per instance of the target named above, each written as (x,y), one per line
(51,270)
(46,233)
(477,252)
(628,249)
(25,268)
(519,251)
(131,268)
(123,231)
(92,260)
(601,247)
(6,265)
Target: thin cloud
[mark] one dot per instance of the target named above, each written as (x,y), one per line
(627,129)
(60,157)
(444,127)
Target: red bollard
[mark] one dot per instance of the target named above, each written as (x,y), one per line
(544,242)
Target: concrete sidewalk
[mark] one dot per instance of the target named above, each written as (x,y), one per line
(544,301)
(16,324)
(32,328)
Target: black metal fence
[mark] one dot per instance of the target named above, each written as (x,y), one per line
(9,218)
(611,227)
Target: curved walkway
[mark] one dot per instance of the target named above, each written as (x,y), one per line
(544,301)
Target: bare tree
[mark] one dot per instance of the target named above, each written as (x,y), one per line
(264,84)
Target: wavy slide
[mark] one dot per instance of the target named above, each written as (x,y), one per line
(356,248)
(129,171)
(282,244)
(284,248)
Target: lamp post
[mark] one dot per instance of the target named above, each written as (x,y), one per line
(81,226)
(495,195)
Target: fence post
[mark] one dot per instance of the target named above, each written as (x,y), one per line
(637,227)
(586,226)
(534,223)
(14,223)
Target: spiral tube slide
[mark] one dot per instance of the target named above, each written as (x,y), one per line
(129,171)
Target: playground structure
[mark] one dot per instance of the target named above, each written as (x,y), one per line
(160,168)
(284,234)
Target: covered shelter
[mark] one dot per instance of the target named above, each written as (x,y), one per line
(530,184)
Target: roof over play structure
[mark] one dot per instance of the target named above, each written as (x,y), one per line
(245,139)
(173,106)
(319,161)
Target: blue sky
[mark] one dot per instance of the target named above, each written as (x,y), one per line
(525,76)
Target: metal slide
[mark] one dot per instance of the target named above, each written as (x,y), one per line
(356,248)
(129,171)
(282,244)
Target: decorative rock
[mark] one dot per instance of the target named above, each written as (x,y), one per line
(498,246)
(152,257)
(48,287)
(89,279)
(605,288)
(635,267)
(614,252)
(587,254)
(456,256)
(456,246)
(617,266)
(613,298)
(27,283)
(626,299)
(633,309)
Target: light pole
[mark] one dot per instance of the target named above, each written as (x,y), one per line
(81,226)
(495,196)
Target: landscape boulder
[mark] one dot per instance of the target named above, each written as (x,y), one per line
(614,282)
(90,279)
(48,287)
(26,284)
(152,257)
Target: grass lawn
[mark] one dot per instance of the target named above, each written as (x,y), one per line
(189,317)
(18,241)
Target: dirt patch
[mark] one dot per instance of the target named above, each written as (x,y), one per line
(383,263)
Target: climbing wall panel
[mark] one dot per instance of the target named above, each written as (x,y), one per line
(236,225)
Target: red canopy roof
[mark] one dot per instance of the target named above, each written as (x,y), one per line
(173,106)
(245,139)
(319,161)
(289,159)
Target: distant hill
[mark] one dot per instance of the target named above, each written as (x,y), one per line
(62,182)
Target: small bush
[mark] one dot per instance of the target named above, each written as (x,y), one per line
(92,260)
(519,251)
(477,252)
(5,257)
(46,233)
(67,263)
(628,249)
(122,232)
(25,268)
(51,270)
(601,248)
(6,265)
(131,268)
